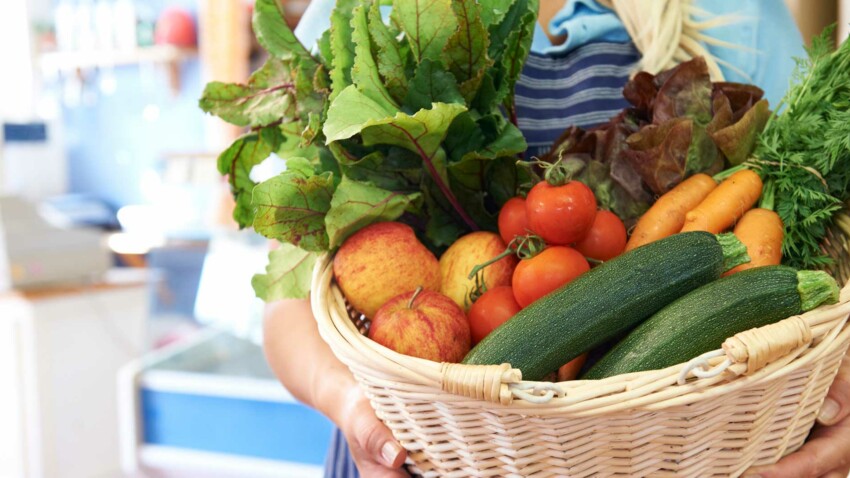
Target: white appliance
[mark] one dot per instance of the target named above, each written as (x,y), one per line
(33,162)
(36,253)
(60,352)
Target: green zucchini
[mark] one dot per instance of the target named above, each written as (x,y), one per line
(606,301)
(700,321)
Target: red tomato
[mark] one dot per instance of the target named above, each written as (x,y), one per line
(560,214)
(491,310)
(606,239)
(513,220)
(558,265)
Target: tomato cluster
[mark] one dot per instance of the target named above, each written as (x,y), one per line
(567,219)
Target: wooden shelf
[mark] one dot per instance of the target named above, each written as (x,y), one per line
(79,60)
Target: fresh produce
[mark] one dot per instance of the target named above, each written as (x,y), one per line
(606,301)
(667,216)
(462,256)
(513,220)
(803,155)
(403,120)
(570,370)
(725,204)
(491,310)
(545,272)
(560,213)
(382,261)
(761,231)
(606,238)
(701,320)
(679,123)
(422,324)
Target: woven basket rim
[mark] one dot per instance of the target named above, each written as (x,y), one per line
(649,390)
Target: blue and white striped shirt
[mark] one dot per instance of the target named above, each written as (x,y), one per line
(583,88)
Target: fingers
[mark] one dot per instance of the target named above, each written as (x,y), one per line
(827,451)
(378,442)
(373,447)
(836,406)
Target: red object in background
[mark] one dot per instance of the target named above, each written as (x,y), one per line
(175,26)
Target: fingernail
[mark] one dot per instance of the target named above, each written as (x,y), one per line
(828,411)
(389,452)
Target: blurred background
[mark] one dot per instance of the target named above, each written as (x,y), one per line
(128,328)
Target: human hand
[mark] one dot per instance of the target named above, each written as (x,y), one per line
(309,370)
(374,449)
(827,452)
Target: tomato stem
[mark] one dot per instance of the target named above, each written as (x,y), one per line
(524,247)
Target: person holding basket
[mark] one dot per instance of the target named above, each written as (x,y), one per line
(605,42)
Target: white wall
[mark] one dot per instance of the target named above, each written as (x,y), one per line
(16,82)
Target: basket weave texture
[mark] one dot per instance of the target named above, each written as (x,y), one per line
(483,421)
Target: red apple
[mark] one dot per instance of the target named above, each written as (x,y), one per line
(422,324)
(382,261)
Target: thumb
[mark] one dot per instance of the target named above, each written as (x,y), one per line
(375,439)
(836,406)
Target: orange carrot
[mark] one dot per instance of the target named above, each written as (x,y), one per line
(571,369)
(667,216)
(761,231)
(726,204)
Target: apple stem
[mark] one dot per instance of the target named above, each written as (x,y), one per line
(415,295)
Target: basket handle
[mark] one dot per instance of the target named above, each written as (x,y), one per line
(750,351)
(481,382)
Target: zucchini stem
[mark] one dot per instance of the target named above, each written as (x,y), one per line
(816,288)
(734,251)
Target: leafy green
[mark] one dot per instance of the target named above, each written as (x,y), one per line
(401,121)
(291,208)
(275,36)
(466,52)
(261,102)
(341,45)
(238,160)
(432,84)
(288,274)
(738,140)
(495,11)
(804,152)
(510,43)
(391,55)
(364,72)
(350,111)
(680,123)
(357,204)
(427,25)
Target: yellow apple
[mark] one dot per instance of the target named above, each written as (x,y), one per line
(466,253)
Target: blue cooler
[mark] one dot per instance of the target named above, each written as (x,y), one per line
(214,406)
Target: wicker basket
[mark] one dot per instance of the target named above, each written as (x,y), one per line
(748,404)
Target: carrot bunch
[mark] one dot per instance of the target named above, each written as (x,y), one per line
(700,204)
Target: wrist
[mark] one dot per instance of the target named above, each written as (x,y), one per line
(333,389)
